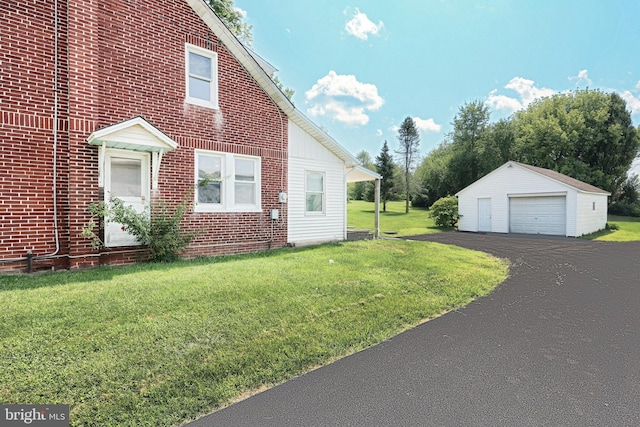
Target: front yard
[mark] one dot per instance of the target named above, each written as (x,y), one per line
(160,344)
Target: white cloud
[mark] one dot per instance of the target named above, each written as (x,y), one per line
(503,103)
(361,26)
(343,98)
(379,132)
(581,79)
(341,112)
(427,125)
(423,125)
(638,85)
(633,102)
(241,12)
(527,93)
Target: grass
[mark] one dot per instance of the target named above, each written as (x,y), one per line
(629,230)
(360,215)
(160,344)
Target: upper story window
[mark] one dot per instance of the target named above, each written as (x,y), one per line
(314,192)
(201,76)
(227,182)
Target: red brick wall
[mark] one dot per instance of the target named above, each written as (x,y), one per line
(125,58)
(27,93)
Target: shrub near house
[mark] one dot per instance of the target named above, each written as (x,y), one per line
(445,212)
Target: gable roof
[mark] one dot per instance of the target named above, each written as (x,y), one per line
(571,182)
(133,134)
(254,68)
(565,180)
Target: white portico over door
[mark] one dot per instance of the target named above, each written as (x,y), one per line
(129,158)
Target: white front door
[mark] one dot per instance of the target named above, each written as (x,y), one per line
(127,178)
(484,214)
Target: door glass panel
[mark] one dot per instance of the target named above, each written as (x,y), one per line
(126,177)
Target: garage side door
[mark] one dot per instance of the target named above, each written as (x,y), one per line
(538,215)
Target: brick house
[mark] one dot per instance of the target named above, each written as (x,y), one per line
(140,100)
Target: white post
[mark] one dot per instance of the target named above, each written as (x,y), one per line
(376,234)
(102,150)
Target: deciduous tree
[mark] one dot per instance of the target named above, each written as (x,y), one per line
(363,190)
(409,140)
(233,18)
(586,134)
(468,141)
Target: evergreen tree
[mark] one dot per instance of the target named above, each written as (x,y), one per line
(385,166)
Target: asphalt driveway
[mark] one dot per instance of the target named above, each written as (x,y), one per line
(557,344)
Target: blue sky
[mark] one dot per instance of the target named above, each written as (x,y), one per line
(360,68)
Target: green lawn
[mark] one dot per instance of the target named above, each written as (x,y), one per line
(160,344)
(360,215)
(629,230)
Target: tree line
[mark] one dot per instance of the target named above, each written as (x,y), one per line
(585,134)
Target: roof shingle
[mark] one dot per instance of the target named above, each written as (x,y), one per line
(577,184)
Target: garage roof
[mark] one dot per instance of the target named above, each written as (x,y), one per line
(547,173)
(572,182)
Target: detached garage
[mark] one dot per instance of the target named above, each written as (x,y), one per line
(518,198)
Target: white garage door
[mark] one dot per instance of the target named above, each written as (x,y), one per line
(538,215)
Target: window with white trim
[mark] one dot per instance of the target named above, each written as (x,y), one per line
(201,76)
(227,182)
(314,192)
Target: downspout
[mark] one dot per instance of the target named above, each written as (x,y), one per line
(282,164)
(30,256)
(56,37)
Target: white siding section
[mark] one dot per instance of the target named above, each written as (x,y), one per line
(515,181)
(307,154)
(589,219)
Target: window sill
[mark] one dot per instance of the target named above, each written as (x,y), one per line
(202,103)
(215,209)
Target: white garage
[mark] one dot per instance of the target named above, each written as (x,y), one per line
(519,198)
